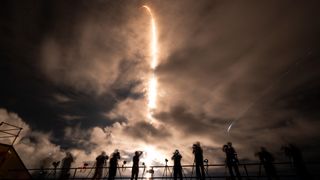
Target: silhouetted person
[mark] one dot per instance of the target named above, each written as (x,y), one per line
(66,165)
(177,168)
(113,165)
(55,165)
(198,159)
(295,155)
(135,166)
(231,160)
(267,160)
(100,163)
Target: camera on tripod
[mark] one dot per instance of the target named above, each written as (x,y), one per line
(55,164)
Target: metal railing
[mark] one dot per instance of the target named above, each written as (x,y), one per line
(251,171)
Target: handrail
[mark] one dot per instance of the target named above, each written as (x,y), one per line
(74,171)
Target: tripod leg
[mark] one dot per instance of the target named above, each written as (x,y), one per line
(91,170)
(119,170)
(192,171)
(184,175)
(207,171)
(107,174)
(165,172)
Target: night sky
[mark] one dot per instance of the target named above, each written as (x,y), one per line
(74,75)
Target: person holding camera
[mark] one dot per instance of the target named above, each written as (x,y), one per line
(231,160)
(198,159)
(135,166)
(100,162)
(113,164)
(66,165)
(177,168)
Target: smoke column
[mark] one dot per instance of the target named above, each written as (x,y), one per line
(152,84)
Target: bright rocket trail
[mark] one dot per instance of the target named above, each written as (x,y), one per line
(154,41)
(152,84)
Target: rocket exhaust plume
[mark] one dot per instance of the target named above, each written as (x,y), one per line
(152,84)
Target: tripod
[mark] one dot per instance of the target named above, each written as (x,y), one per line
(206,168)
(166,170)
(93,167)
(144,168)
(118,167)
(183,173)
(108,171)
(192,170)
(54,171)
(151,171)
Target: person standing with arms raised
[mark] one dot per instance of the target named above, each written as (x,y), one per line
(135,166)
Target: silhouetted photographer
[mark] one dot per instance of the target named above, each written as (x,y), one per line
(198,159)
(100,163)
(113,165)
(231,160)
(267,160)
(66,165)
(177,168)
(135,166)
(295,155)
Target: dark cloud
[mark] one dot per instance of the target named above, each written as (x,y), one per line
(192,124)
(146,131)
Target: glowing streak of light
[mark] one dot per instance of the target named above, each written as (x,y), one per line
(152,89)
(270,87)
(154,41)
(230,126)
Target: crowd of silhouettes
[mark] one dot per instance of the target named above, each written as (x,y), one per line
(231,161)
